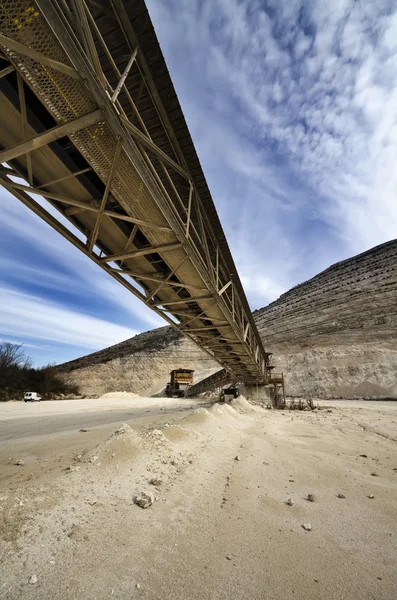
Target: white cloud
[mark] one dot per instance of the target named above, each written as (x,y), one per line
(78,273)
(313,83)
(29,317)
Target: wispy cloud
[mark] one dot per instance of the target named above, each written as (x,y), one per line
(60,295)
(293,108)
(31,318)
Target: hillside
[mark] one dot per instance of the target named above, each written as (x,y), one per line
(141,364)
(335,334)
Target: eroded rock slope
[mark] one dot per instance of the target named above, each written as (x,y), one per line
(334,335)
(141,364)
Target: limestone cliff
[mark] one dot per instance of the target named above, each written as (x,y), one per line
(337,333)
(334,335)
(141,364)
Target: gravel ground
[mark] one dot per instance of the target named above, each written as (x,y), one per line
(227,488)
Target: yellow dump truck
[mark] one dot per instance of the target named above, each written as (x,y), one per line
(180,380)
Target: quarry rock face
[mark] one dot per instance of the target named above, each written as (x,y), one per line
(141,364)
(334,335)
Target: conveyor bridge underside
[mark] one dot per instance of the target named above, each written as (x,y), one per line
(95,143)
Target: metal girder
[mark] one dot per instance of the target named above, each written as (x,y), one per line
(22,101)
(38,56)
(224,288)
(208,327)
(43,139)
(7,70)
(167,279)
(81,23)
(141,252)
(156,277)
(124,75)
(105,197)
(87,206)
(65,178)
(149,145)
(184,301)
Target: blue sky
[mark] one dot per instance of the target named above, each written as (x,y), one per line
(292,107)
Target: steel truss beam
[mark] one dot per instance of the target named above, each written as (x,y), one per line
(43,139)
(37,56)
(156,277)
(87,206)
(183,213)
(141,252)
(68,235)
(6,71)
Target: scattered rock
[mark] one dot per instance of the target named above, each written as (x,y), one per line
(144,500)
(289,502)
(363,456)
(72,468)
(156,481)
(237,457)
(228,557)
(33,579)
(138,586)
(19,463)
(124,428)
(93,459)
(341,496)
(311,497)
(307,526)
(92,502)
(374,474)
(371,496)
(83,430)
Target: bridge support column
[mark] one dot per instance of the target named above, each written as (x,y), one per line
(258,394)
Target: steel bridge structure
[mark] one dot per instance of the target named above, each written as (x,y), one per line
(93,140)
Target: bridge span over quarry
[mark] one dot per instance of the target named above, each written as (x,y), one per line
(93,140)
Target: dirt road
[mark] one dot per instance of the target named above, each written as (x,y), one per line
(48,434)
(221,527)
(19,420)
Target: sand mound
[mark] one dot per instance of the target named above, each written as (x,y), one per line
(116,395)
(217,410)
(175,433)
(366,389)
(124,443)
(200,416)
(156,438)
(229,410)
(242,405)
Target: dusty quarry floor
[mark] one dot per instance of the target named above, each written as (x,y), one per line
(218,528)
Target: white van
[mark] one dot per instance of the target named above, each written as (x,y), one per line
(32,397)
